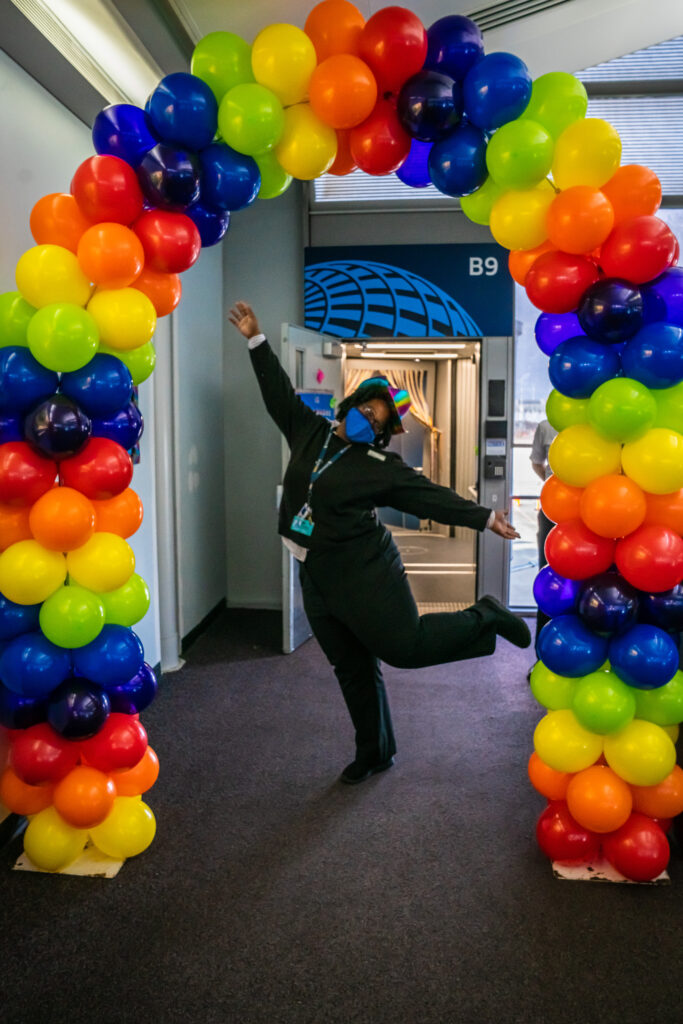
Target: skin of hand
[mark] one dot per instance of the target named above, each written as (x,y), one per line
(501,526)
(244,319)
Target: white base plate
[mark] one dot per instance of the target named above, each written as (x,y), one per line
(599,870)
(91,863)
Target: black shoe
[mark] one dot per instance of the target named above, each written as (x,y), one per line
(509,626)
(358,771)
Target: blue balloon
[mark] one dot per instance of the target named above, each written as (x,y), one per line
(655,355)
(32,666)
(579,365)
(229,180)
(414,171)
(554,594)
(608,604)
(183,111)
(663,297)
(78,709)
(645,657)
(611,310)
(17,712)
(664,609)
(23,381)
(17,618)
(169,178)
(125,131)
(112,658)
(567,647)
(11,428)
(101,387)
(454,45)
(497,89)
(457,164)
(125,426)
(135,695)
(552,328)
(58,428)
(429,106)
(212,225)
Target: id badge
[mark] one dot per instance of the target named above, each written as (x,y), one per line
(302,523)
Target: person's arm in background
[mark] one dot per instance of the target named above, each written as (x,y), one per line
(538,454)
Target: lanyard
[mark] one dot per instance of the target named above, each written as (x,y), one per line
(320,464)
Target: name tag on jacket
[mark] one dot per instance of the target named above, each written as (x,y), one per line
(376,455)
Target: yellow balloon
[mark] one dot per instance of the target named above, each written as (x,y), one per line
(29,573)
(125,318)
(579,455)
(587,153)
(50,273)
(518,217)
(283,59)
(564,744)
(50,843)
(128,829)
(642,753)
(308,146)
(103,563)
(655,461)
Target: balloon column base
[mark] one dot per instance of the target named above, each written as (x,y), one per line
(599,870)
(90,864)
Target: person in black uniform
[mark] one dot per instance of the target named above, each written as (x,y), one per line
(355,589)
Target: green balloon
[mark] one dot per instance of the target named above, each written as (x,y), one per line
(251,119)
(140,361)
(15,314)
(552,691)
(664,705)
(603,703)
(622,409)
(128,604)
(563,412)
(63,336)
(557,100)
(477,205)
(274,178)
(72,616)
(222,60)
(669,407)
(520,154)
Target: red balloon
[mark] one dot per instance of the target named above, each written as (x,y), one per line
(394,43)
(119,745)
(639,849)
(343,162)
(576,552)
(651,558)
(106,188)
(171,241)
(39,754)
(556,281)
(639,249)
(24,474)
(380,144)
(562,838)
(101,470)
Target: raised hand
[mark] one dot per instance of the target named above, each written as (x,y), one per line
(244,319)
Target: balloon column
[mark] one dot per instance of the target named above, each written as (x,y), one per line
(386,96)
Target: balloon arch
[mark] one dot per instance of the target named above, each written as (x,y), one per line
(386,96)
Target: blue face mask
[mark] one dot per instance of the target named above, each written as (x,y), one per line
(358,427)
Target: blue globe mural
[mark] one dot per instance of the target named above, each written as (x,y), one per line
(363,299)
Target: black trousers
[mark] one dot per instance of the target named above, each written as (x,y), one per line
(361,610)
(545,525)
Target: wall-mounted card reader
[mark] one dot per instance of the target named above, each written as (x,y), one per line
(495,450)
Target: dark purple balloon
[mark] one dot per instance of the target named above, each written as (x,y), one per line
(58,428)
(125,131)
(169,177)
(566,646)
(552,328)
(454,45)
(611,310)
(19,712)
(664,609)
(457,164)
(414,170)
(608,604)
(11,428)
(135,695)
(644,656)
(229,180)
(429,106)
(125,426)
(554,594)
(663,298)
(78,709)
(211,224)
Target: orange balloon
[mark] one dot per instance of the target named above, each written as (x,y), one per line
(664,800)
(111,255)
(665,510)
(20,798)
(559,501)
(140,778)
(57,220)
(599,799)
(520,260)
(633,191)
(84,797)
(546,780)
(14,525)
(343,162)
(334,26)
(579,219)
(613,506)
(343,91)
(121,514)
(62,519)
(162,290)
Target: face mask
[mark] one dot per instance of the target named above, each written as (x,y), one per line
(358,427)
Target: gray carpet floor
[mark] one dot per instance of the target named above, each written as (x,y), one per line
(275,895)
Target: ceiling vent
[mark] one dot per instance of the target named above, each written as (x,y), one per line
(496,15)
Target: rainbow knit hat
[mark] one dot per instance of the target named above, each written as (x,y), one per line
(397,399)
